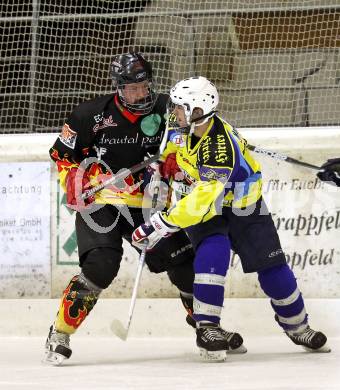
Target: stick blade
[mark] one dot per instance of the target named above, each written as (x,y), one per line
(119,330)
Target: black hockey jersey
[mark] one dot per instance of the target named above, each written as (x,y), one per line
(104,129)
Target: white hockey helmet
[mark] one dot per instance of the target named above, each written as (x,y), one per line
(195,92)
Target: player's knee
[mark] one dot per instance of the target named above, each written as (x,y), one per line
(277,281)
(182,276)
(101,265)
(213,253)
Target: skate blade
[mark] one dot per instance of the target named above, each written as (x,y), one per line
(53,359)
(213,356)
(323,349)
(237,351)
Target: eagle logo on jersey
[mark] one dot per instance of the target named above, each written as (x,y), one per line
(68,136)
(216,173)
(210,174)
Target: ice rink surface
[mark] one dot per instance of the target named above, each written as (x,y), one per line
(272,363)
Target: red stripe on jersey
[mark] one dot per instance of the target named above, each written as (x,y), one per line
(133,118)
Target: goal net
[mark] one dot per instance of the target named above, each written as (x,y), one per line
(275,62)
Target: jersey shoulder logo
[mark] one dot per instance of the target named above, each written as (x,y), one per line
(68,136)
(177,139)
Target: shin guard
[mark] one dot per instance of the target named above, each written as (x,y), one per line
(211,265)
(280,285)
(78,300)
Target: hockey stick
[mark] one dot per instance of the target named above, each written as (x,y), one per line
(117,327)
(281,157)
(121,175)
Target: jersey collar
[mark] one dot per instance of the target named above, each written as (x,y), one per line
(133,118)
(194,149)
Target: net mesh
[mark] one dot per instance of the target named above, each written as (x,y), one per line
(275,63)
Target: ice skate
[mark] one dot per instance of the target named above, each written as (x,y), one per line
(211,342)
(57,347)
(310,340)
(235,342)
(234,339)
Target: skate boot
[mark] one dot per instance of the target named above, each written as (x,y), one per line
(235,340)
(211,342)
(57,347)
(310,340)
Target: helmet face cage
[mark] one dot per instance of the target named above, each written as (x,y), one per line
(195,92)
(142,106)
(129,69)
(173,124)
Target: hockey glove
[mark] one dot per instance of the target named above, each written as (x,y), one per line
(170,169)
(153,231)
(76,184)
(330,171)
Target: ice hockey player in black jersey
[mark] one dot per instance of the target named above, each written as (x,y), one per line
(220,206)
(117,131)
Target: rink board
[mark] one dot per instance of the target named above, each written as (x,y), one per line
(160,317)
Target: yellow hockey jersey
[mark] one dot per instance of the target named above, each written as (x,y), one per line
(219,170)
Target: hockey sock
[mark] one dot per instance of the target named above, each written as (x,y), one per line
(78,300)
(280,285)
(211,265)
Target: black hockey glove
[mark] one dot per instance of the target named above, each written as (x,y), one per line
(330,171)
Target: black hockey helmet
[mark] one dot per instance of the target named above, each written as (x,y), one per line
(133,68)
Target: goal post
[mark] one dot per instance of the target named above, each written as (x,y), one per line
(275,62)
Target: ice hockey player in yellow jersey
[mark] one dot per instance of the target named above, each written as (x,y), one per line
(220,206)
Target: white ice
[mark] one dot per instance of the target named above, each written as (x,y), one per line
(272,363)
